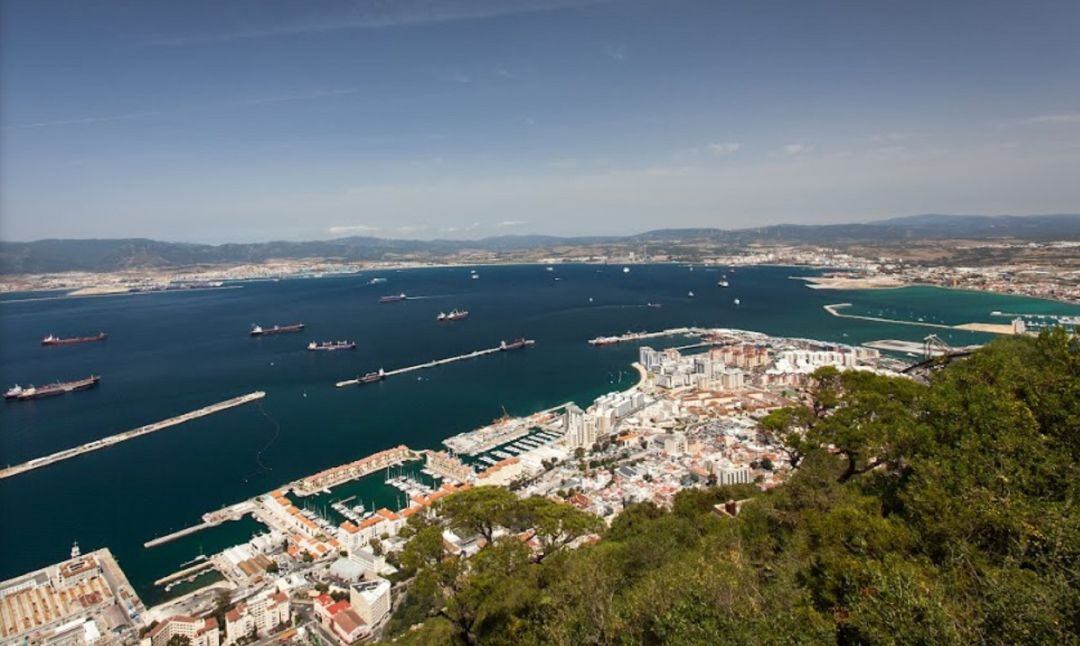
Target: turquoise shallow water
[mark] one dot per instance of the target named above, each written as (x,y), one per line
(169,353)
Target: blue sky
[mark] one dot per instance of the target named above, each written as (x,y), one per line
(258,120)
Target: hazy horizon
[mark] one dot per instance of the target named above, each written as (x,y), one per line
(464,119)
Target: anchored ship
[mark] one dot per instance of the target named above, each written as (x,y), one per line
(258,330)
(454,315)
(605,340)
(55,340)
(51,390)
(395,298)
(372,377)
(331,346)
(516,344)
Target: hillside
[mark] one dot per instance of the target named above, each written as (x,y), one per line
(939,514)
(105,255)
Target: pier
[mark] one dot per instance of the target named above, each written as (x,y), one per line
(432,364)
(989,328)
(112,440)
(211,519)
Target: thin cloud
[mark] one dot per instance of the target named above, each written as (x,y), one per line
(128,116)
(510,223)
(79,121)
(411,228)
(353,228)
(1068,117)
(377,15)
(615,53)
(728,148)
(321,94)
(796,149)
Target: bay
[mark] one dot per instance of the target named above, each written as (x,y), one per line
(168,353)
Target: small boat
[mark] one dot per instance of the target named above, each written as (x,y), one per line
(690,294)
(549,268)
(655,306)
(626,270)
(376,281)
(475,276)
(737,301)
(393,298)
(723,283)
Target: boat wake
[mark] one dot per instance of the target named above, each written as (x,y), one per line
(263,467)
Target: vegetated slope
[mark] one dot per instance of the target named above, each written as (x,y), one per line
(940,514)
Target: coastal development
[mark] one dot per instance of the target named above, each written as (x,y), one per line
(690,420)
(112,440)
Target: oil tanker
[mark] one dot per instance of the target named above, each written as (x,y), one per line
(51,390)
(52,339)
(331,346)
(258,330)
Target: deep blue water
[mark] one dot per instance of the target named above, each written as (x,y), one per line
(169,353)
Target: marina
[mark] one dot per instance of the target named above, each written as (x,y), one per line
(502,347)
(112,440)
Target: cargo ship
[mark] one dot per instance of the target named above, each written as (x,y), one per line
(331,346)
(371,377)
(258,330)
(51,390)
(454,315)
(395,298)
(55,340)
(516,344)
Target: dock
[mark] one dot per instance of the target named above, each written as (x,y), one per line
(186,572)
(433,364)
(112,440)
(640,336)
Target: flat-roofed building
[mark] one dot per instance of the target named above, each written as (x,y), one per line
(199,631)
(371,599)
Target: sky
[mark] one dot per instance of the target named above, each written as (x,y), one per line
(257,120)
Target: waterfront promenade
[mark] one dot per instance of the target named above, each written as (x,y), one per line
(112,440)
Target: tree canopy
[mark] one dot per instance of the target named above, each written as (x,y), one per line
(918,514)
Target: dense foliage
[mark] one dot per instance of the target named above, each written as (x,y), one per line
(939,514)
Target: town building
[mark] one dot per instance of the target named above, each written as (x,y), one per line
(197,630)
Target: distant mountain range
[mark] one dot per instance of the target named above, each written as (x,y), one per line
(102,255)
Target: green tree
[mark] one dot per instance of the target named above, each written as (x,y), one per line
(479,511)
